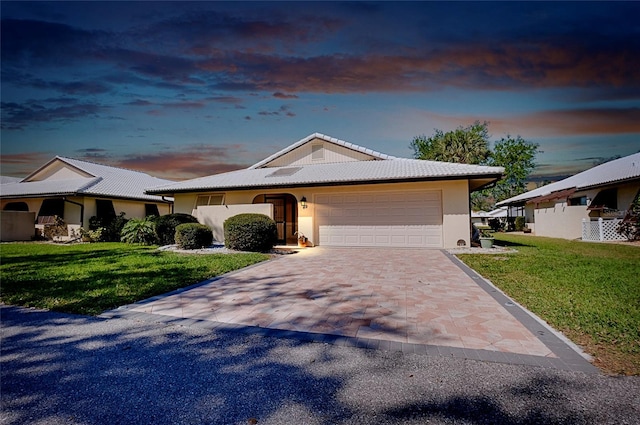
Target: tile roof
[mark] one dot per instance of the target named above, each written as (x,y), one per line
(106,181)
(396,169)
(375,154)
(618,170)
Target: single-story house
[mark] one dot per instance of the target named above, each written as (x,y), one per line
(588,205)
(76,190)
(340,194)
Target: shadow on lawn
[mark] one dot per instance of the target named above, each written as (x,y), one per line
(507,243)
(76,369)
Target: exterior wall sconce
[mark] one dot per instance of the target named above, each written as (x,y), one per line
(303,202)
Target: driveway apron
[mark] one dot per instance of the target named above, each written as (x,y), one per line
(408,297)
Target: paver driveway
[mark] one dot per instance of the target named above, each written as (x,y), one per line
(414,296)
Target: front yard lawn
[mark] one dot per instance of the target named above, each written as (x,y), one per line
(589,291)
(91,278)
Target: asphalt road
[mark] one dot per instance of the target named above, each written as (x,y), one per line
(65,369)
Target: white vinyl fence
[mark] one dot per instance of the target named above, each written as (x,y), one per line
(601,230)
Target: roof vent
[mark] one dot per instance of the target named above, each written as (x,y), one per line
(283,172)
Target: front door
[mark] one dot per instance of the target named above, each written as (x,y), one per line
(285,211)
(279,215)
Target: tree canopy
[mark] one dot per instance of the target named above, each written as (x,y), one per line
(471,145)
(467,145)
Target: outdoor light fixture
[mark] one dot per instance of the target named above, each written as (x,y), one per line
(303,202)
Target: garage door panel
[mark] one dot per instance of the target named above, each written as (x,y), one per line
(382,219)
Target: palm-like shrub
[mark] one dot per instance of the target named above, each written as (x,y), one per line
(250,232)
(139,230)
(166,226)
(193,236)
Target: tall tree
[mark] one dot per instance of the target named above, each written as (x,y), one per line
(467,145)
(517,156)
(470,145)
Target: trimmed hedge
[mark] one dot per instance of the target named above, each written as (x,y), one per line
(166,226)
(193,236)
(250,232)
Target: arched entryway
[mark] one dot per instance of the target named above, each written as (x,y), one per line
(285,214)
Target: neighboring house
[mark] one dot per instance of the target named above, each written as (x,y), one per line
(76,190)
(480,217)
(588,205)
(340,194)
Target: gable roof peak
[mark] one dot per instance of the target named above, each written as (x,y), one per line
(377,155)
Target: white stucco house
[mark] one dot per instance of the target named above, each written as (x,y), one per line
(588,205)
(340,194)
(76,190)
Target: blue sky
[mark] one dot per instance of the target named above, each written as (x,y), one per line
(182,90)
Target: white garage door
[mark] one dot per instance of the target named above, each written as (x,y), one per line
(396,219)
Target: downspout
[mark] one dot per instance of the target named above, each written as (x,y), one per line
(170,205)
(64,198)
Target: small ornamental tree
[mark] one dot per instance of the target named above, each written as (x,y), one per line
(250,232)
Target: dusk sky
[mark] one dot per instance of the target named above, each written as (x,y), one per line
(182,90)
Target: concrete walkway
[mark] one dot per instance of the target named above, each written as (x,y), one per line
(412,300)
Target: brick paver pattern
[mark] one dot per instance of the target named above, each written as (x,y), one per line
(406,295)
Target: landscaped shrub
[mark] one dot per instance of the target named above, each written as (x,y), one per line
(193,236)
(139,230)
(166,226)
(519,224)
(250,232)
(111,227)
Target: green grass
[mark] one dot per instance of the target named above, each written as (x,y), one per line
(589,291)
(91,278)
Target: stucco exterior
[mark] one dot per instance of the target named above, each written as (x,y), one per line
(559,220)
(455,204)
(214,216)
(17,225)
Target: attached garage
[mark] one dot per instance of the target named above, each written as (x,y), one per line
(386,219)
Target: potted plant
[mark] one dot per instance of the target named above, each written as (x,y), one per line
(302,240)
(486,238)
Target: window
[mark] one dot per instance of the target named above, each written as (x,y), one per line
(151,209)
(204,200)
(582,200)
(317,152)
(51,207)
(104,209)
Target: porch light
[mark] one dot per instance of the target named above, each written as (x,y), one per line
(303,202)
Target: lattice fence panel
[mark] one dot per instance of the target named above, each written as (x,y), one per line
(609,230)
(590,230)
